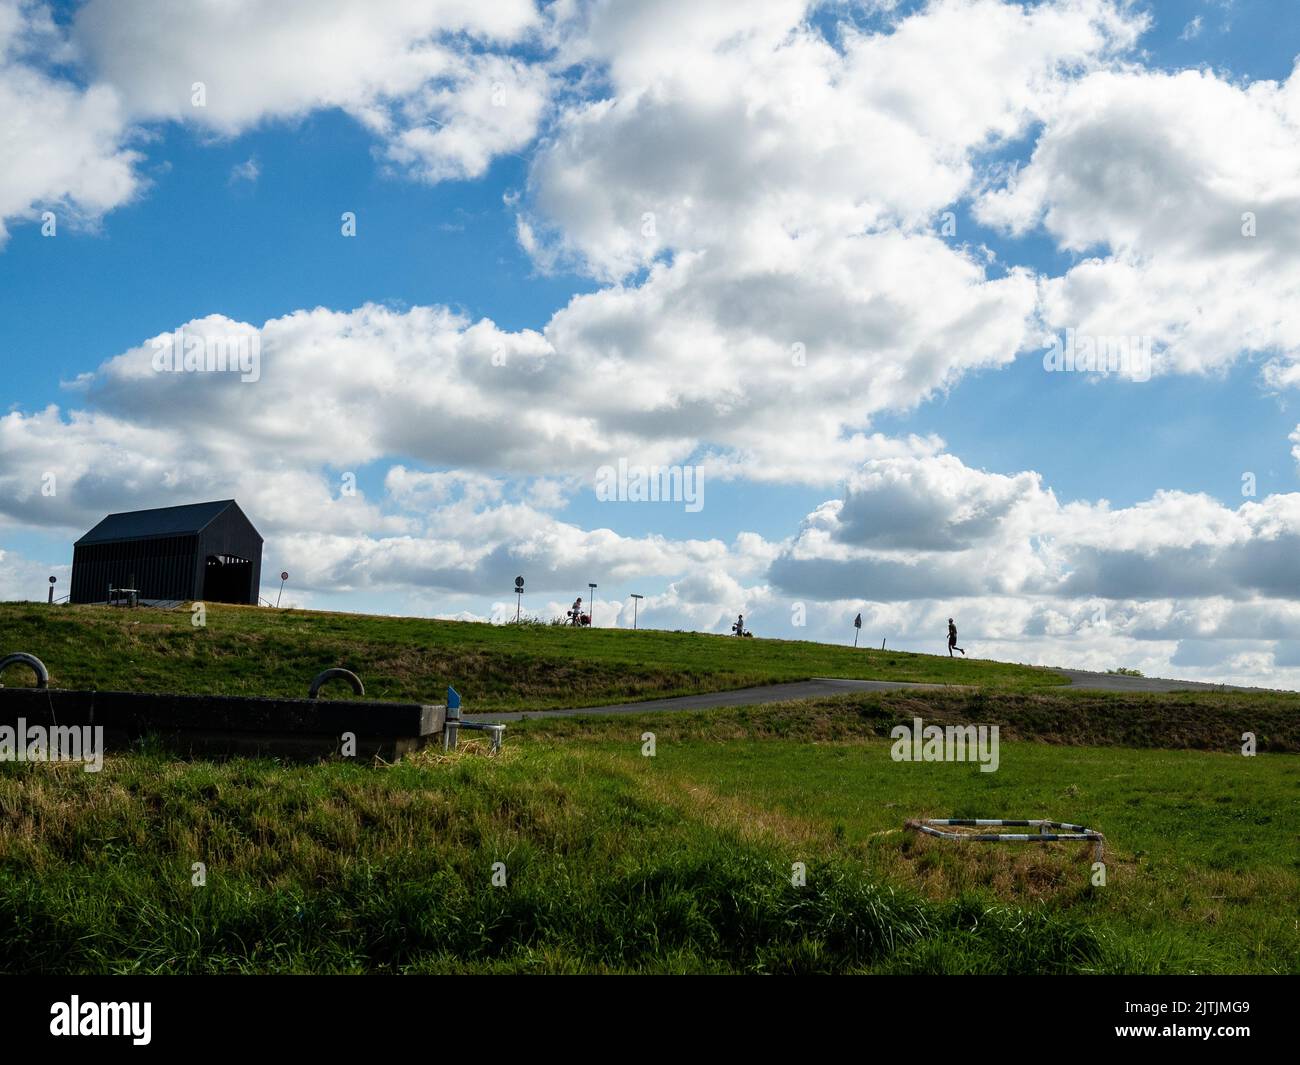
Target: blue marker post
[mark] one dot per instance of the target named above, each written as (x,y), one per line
(452,723)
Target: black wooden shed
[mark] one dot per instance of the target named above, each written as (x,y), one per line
(206,552)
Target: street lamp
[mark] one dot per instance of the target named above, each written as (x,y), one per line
(635,604)
(591,605)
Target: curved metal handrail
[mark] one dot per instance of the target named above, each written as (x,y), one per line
(336,673)
(22,658)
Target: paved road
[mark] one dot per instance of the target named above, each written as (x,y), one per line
(1117,682)
(805,689)
(768,693)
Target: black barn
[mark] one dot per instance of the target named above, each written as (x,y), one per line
(207,552)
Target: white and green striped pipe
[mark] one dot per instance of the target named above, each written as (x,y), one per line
(1065,831)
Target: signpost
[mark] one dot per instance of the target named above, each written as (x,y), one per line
(284,576)
(857,627)
(52,580)
(635,603)
(519,597)
(591,606)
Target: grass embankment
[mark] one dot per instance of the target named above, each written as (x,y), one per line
(676,863)
(618,862)
(251,651)
(1208,721)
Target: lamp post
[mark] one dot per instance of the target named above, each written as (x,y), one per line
(591,605)
(635,604)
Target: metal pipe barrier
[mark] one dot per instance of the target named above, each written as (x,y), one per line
(1066,832)
(454,723)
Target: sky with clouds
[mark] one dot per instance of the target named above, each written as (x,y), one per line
(824,257)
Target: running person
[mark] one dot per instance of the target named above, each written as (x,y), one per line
(952,639)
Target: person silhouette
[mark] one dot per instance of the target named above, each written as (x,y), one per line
(952,639)
(739,627)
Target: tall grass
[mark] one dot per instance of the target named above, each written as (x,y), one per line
(613,862)
(337,870)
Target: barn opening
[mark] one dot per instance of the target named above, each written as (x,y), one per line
(226,578)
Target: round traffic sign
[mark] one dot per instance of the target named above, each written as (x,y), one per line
(284,576)
(519,582)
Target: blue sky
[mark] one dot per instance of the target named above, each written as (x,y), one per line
(174,215)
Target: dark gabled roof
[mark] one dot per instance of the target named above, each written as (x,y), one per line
(165,521)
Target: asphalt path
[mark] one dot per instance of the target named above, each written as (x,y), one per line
(1117,682)
(767,693)
(821,686)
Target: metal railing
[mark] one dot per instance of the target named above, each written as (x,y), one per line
(454,723)
(1067,832)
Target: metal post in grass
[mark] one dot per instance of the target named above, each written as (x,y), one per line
(284,576)
(519,597)
(591,606)
(635,604)
(857,629)
(52,580)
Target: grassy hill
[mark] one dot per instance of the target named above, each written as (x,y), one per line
(618,862)
(251,651)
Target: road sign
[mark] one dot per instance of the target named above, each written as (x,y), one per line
(519,582)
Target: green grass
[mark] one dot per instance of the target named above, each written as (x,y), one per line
(1202,864)
(250,651)
(620,863)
